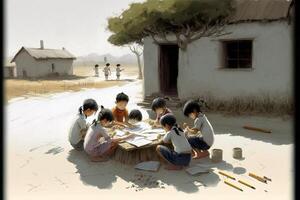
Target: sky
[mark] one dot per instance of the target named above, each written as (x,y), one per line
(77,25)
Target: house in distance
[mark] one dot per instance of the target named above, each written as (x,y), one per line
(39,62)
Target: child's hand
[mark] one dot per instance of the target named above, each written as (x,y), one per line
(118,127)
(131,126)
(151,122)
(156,125)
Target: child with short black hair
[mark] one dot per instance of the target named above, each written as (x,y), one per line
(159,106)
(181,155)
(118,71)
(120,111)
(135,116)
(79,126)
(98,144)
(106,71)
(201,142)
(97,70)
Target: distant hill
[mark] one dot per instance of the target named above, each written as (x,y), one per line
(94,58)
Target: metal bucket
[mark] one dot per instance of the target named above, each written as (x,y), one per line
(217,155)
(237,153)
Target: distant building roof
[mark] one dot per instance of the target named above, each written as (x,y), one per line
(39,53)
(261,10)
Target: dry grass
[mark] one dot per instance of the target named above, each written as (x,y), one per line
(32,87)
(251,105)
(16,88)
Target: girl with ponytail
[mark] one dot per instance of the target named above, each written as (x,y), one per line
(79,126)
(98,144)
(181,155)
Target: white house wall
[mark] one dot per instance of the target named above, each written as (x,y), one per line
(151,75)
(199,72)
(62,66)
(37,68)
(25,62)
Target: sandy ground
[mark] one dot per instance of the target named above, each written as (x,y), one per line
(40,164)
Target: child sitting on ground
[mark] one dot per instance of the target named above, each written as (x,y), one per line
(79,126)
(98,144)
(135,116)
(201,142)
(120,112)
(181,156)
(159,106)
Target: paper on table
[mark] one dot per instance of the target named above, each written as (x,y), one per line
(157,130)
(120,133)
(139,127)
(134,138)
(152,137)
(139,142)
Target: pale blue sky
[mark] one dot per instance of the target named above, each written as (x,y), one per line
(77,25)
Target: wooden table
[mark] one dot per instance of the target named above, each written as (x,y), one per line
(130,154)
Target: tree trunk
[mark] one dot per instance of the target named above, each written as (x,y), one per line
(139,65)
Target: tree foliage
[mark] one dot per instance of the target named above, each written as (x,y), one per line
(188,20)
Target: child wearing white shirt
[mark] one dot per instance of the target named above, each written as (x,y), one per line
(118,71)
(79,126)
(181,155)
(203,141)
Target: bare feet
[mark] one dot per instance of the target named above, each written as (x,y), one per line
(99,159)
(173,167)
(200,154)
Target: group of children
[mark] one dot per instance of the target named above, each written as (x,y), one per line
(107,71)
(188,143)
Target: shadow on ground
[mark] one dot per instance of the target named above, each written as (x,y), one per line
(104,174)
(282,129)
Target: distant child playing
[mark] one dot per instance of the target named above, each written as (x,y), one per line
(98,144)
(181,155)
(79,126)
(203,141)
(159,106)
(118,71)
(97,70)
(106,71)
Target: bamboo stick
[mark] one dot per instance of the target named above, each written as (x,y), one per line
(258,178)
(227,175)
(257,129)
(244,183)
(234,186)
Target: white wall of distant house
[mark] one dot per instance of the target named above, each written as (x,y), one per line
(199,67)
(38,68)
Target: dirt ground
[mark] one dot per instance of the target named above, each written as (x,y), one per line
(83,78)
(41,164)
